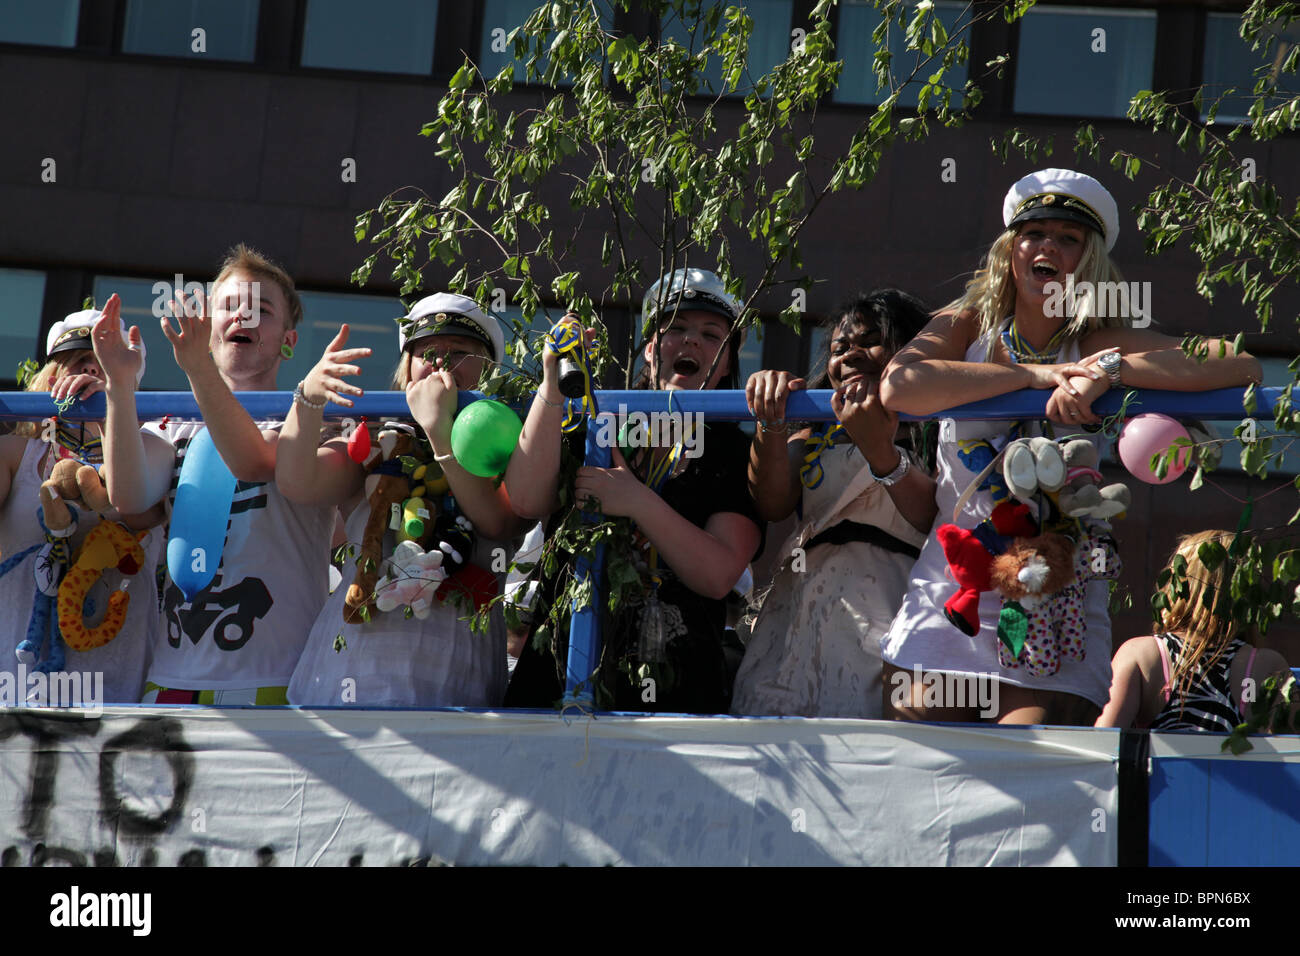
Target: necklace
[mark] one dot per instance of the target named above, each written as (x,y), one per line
(1026,354)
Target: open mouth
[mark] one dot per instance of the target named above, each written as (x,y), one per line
(1045,270)
(241,339)
(685,366)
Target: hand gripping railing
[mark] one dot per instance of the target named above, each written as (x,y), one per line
(584,635)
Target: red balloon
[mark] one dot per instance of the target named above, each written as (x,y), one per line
(359,444)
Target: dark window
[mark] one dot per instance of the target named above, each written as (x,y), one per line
(371,324)
(854,45)
(22,292)
(43,22)
(1083,61)
(769,43)
(1230,64)
(142,306)
(171,28)
(381,36)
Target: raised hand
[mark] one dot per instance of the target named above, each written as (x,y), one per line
(324,382)
(191,346)
(120,360)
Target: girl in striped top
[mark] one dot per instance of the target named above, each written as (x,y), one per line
(1198,674)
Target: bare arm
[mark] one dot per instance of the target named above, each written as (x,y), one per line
(1150,359)
(305,470)
(137,465)
(1128,686)
(774,455)
(708,560)
(533,475)
(432,399)
(248,452)
(930,373)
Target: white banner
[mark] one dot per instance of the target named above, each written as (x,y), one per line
(287,787)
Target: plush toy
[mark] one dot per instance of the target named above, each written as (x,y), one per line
(1054,627)
(389,484)
(70,480)
(1026,575)
(1082,497)
(109,545)
(976,455)
(411,579)
(1030,465)
(970,554)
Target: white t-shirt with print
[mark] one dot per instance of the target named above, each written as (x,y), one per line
(247,628)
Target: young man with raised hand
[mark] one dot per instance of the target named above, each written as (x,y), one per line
(238,640)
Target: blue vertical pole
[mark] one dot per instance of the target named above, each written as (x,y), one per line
(584,624)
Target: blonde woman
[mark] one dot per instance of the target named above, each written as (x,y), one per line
(26,460)
(1014,328)
(1193,675)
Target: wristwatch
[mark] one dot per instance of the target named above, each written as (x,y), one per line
(1110,364)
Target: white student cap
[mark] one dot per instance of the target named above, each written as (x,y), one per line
(689,290)
(73,333)
(445,313)
(1063,194)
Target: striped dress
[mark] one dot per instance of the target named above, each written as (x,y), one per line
(1207,704)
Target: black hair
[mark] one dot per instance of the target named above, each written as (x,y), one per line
(898,316)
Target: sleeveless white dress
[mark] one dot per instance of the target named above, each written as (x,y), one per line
(921,636)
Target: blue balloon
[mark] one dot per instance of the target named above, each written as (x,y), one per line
(199,516)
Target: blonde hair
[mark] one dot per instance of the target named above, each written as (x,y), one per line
(991,292)
(54,368)
(242,258)
(402,374)
(1199,608)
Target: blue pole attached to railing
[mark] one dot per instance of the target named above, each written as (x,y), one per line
(584,633)
(1220,404)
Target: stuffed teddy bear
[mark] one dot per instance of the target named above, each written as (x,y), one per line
(1045,624)
(108,545)
(970,554)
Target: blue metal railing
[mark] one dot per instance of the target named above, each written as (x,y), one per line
(584,635)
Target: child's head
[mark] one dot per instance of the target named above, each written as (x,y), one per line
(69,351)
(1199,607)
(447,330)
(692,315)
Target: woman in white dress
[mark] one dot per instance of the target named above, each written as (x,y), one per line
(1019,326)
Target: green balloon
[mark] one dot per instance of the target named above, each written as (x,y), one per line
(484,436)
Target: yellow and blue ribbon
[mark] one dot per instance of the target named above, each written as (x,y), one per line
(565,337)
(810,472)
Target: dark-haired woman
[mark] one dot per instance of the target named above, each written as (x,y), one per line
(867,506)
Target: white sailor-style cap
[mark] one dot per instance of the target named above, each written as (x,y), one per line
(1063,194)
(73,333)
(445,313)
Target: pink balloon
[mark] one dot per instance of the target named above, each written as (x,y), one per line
(1147,435)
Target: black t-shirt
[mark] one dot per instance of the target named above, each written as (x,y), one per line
(696,677)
